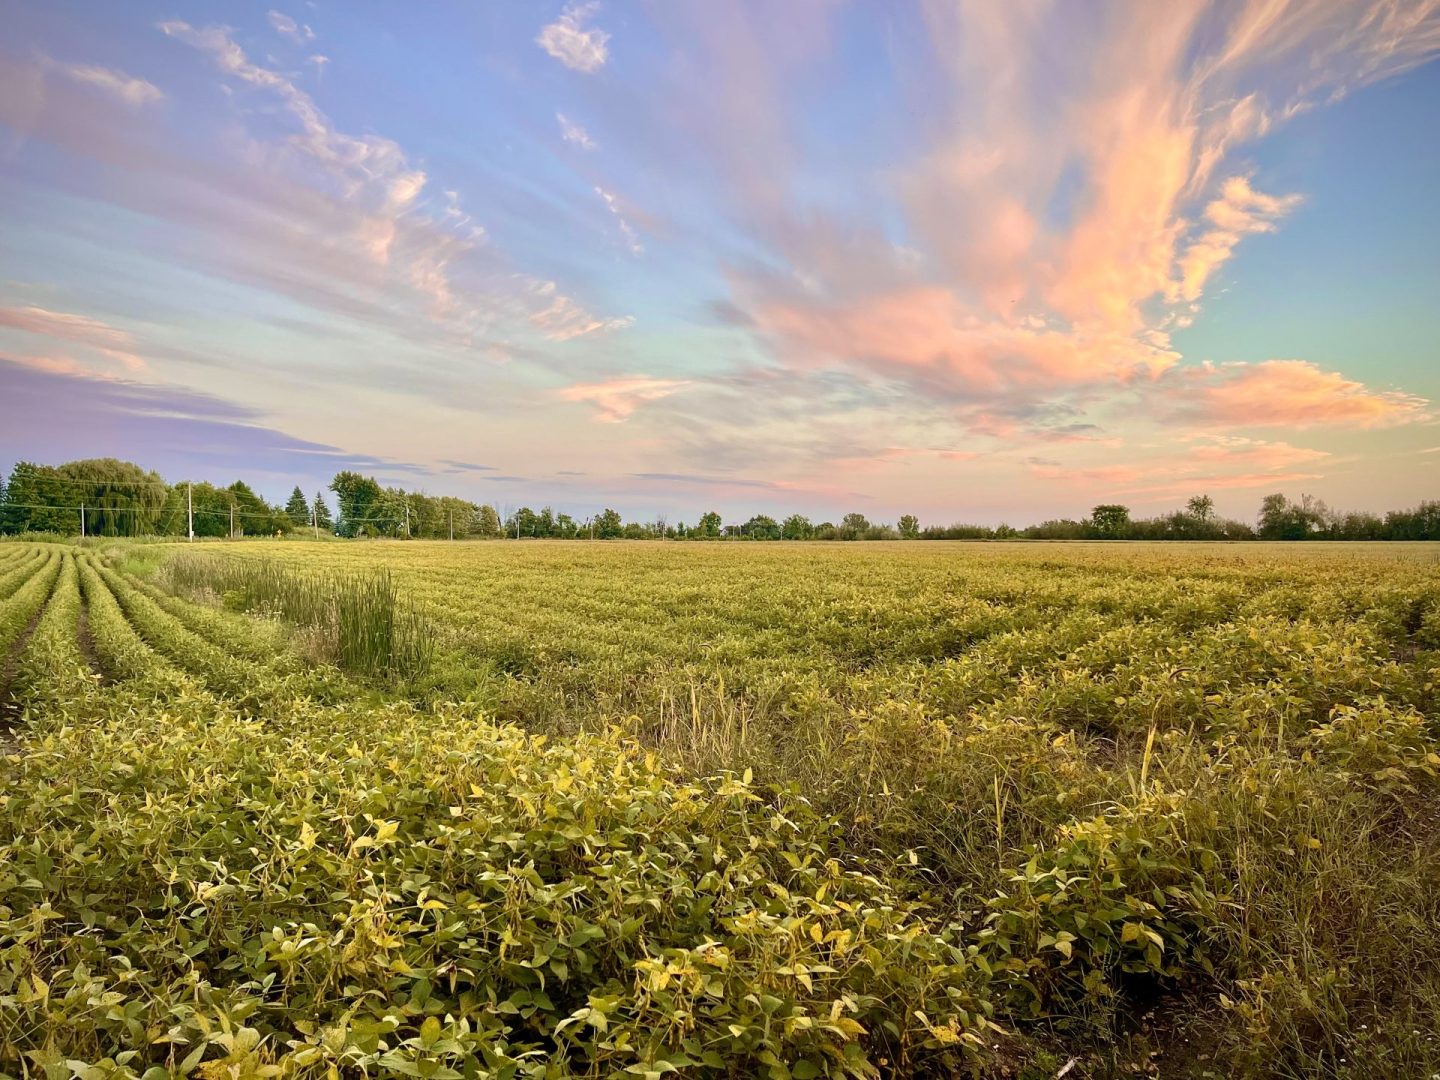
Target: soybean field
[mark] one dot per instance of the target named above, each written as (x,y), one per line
(551,810)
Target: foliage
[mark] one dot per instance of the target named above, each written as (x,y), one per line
(368,629)
(297,509)
(724,809)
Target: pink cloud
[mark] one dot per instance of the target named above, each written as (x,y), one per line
(563,319)
(996,294)
(105,339)
(1221,463)
(615,399)
(1287,393)
(927,331)
(1239,211)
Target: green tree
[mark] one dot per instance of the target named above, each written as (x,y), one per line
(1422,523)
(762,527)
(709,525)
(1201,507)
(1281,519)
(253,515)
(1110,520)
(119,497)
(297,509)
(853,527)
(321,513)
(486,522)
(797,527)
(608,524)
(358,499)
(909,527)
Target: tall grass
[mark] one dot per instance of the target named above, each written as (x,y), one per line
(359,619)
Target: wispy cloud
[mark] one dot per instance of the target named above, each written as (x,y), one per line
(1071,219)
(1292,394)
(1239,211)
(568,40)
(574,134)
(109,341)
(632,238)
(129,89)
(615,399)
(562,319)
(288,27)
(56,416)
(467,466)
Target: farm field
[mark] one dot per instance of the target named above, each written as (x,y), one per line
(792,810)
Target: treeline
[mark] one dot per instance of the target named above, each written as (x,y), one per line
(106,497)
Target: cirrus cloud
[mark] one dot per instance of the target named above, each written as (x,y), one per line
(129,89)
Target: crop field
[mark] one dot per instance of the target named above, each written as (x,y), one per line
(533,809)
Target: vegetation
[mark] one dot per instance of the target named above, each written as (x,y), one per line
(786,811)
(115,498)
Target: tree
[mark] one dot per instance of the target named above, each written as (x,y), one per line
(1422,523)
(910,527)
(119,497)
(321,513)
(853,526)
(762,527)
(297,509)
(521,523)
(709,524)
(1201,507)
(357,498)
(608,524)
(253,515)
(486,522)
(1110,520)
(797,527)
(1281,519)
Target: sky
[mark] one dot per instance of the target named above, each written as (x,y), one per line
(973,261)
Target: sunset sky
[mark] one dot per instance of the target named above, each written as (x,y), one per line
(973,261)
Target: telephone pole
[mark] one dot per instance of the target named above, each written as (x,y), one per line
(452,524)
(82,521)
(232,521)
(189,510)
(407,521)
(315,522)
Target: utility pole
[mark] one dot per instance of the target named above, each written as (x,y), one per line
(407,521)
(189,510)
(315,522)
(232,521)
(82,521)
(452,524)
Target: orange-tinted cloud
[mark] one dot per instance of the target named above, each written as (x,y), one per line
(1218,463)
(1239,211)
(1288,393)
(110,341)
(615,399)
(929,332)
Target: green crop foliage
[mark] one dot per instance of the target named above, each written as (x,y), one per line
(457,810)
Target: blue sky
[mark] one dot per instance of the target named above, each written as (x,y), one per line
(971,261)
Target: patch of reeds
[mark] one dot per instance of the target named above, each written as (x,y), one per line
(359,619)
